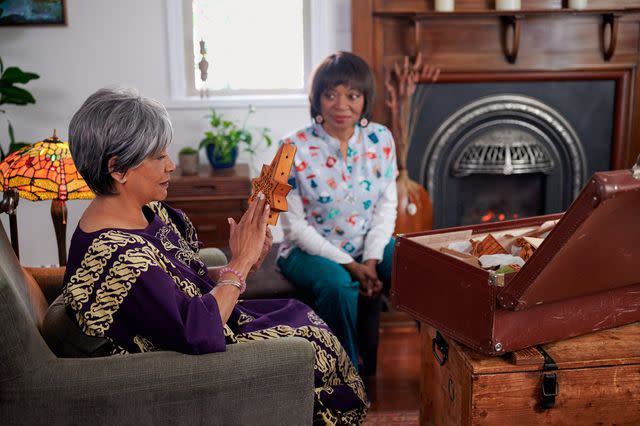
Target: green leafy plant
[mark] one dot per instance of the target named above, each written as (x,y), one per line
(187,150)
(225,135)
(11,94)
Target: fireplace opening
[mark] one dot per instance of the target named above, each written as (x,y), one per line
(494,151)
(494,198)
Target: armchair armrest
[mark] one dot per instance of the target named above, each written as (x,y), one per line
(50,280)
(261,382)
(212,256)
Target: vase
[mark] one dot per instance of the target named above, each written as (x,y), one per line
(188,163)
(415,211)
(218,161)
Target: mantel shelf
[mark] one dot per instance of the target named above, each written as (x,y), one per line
(520,13)
(512,24)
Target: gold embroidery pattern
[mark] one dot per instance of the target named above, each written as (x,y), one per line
(163,214)
(118,280)
(189,245)
(80,285)
(245,318)
(334,370)
(187,287)
(315,318)
(184,253)
(144,344)
(229,336)
(163,236)
(117,349)
(190,233)
(124,272)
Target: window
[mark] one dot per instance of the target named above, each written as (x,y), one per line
(252,45)
(257,51)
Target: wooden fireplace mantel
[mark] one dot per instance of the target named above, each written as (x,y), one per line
(478,43)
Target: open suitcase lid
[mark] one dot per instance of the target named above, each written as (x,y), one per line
(594,247)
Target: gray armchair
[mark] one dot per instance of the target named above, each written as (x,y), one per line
(263,382)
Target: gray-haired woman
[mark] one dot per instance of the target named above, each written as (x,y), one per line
(134,274)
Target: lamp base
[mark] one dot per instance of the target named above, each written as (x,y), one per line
(59,218)
(8,205)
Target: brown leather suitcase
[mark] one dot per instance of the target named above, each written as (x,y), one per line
(584,277)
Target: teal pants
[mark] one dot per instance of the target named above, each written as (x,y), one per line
(354,319)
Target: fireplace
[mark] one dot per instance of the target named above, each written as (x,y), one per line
(491,151)
(582,66)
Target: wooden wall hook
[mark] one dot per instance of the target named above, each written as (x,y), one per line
(511,22)
(609,20)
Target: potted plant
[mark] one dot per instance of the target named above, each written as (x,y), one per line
(188,161)
(11,94)
(223,141)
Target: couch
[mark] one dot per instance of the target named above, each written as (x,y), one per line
(263,382)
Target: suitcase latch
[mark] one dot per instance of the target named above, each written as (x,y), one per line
(440,348)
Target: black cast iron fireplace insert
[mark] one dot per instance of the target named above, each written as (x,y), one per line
(495,151)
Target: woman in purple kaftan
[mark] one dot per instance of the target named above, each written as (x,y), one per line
(134,275)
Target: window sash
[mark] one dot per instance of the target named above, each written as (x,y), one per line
(181,61)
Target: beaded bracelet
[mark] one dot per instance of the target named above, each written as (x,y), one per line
(230,282)
(238,274)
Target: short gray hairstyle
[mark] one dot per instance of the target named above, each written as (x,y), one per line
(116,123)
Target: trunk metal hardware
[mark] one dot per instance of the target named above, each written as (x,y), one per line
(442,353)
(550,387)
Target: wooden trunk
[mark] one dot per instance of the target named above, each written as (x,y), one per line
(598,381)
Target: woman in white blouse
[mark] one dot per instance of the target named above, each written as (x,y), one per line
(338,231)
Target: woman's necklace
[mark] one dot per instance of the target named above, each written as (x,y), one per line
(344,152)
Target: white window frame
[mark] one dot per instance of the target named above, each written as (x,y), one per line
(180,64)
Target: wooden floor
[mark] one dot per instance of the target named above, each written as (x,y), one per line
(396,385)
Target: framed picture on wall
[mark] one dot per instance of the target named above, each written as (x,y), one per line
(32,12)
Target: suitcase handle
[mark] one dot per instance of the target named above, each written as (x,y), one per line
(442,353)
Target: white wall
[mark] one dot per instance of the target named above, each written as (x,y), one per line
(112,43)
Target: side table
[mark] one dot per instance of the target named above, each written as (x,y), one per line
(209,198)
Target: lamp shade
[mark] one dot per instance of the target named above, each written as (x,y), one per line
(44,171)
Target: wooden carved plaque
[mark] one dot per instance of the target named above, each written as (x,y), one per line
(273,182)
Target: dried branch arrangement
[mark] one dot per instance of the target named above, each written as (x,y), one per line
(401,84)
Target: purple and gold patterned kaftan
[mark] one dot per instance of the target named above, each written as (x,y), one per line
(149,290)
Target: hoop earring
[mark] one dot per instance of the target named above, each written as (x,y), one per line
(318,119)
(364,122)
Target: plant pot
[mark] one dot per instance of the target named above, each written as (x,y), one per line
(188,163)
(219,162)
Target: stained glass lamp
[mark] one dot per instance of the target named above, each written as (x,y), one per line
(43,171)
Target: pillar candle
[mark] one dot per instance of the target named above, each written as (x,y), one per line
(577,4)
(444,5)
(507,4)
